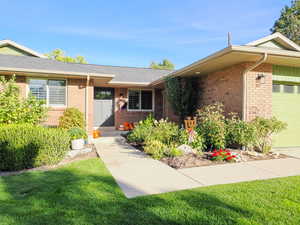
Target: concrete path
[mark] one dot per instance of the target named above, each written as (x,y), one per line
(137,174)
(293,152)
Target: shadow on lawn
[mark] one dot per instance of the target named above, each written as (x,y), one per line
(65,196)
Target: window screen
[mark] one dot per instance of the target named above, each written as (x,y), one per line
(57,92)
(288,88)
(146,99)
(276,87)
(38,88)
(133,99)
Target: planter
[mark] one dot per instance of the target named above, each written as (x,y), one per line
(77,144)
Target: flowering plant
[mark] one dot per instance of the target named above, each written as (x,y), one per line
(222,155)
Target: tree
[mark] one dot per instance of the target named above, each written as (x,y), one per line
(182,95)
(289,22)
(164,65)
(59,55)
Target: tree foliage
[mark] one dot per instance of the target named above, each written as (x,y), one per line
(14,109)
(182,95)
(59,55)
(289,22)
(164,65)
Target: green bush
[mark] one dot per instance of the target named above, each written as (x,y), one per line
(25,146)
(239,133)
(173,152)
(71,118)
(155,148)
(211,125)
(77,133)
(142,130)
(198,142)
(265,128)
(14,109)
(164,131)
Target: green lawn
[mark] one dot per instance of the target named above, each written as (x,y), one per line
(85,193)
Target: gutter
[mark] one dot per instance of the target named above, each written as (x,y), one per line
(86,103)
(245,92)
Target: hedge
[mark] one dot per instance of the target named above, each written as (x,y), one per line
(24,146)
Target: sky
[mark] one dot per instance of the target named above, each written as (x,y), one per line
(136,32)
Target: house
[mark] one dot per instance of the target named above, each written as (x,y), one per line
(261,78)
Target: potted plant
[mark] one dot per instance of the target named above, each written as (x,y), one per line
(77,138)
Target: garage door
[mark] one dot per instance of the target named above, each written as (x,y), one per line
(286,107)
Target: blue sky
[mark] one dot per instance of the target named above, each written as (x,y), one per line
(136,32)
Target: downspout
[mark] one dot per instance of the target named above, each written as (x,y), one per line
(86,103)
(245,92)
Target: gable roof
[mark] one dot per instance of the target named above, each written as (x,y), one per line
(278,38)
(21,47)
(118,74)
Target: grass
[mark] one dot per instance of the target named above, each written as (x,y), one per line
(85,193)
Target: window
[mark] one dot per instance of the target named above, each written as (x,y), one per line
(52,91)
(140,100)
(276,88)
(288,88)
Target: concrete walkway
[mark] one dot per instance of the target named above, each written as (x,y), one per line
(137,174)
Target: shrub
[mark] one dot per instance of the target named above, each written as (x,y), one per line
(173,152)
(25,146)
(14,109)
(71,118)
(198,142)
(155,148)
(265,128)
(142,130)
(164,131)
(211,124)
(239,132)
(77,133)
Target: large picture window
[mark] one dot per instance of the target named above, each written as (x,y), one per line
(140,100)
(52,91)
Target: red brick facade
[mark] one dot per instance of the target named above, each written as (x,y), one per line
(226,86)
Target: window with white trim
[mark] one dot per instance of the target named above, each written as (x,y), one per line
(53,91)
(140,100)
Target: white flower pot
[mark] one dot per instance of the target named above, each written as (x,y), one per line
(77,144)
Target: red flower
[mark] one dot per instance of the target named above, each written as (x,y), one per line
(229,158)
(228,153)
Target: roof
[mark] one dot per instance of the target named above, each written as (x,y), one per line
(279,38)
(21,47)
(236,54)
(119,74)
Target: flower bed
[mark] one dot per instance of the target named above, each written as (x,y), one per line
(182,148)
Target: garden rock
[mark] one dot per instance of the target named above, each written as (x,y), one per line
(73,153)
(186,149)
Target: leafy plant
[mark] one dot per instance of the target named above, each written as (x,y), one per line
(77,133)
(164,131)
(155,148)
(142,130)
(173,152)
(71,118)
(14,109)
(239,132)
(25,146)
(211,125)
(265,128)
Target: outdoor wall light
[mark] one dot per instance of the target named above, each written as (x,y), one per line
(261,78)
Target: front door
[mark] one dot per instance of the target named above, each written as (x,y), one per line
(103,107)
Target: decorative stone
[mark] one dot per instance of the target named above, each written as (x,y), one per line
(186,149)
(73,153)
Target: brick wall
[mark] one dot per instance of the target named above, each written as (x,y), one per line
(259,92)
(224,86)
